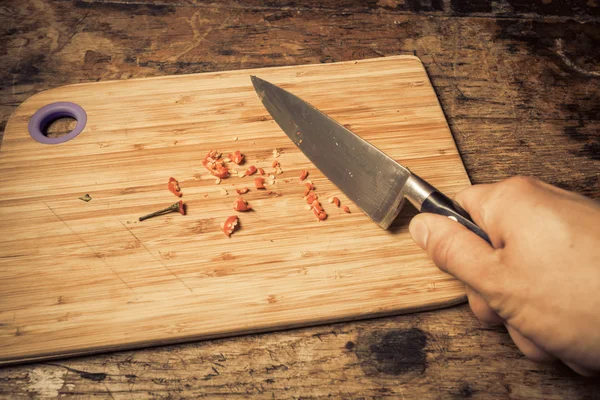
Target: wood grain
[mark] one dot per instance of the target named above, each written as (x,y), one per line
(514,104)
(412,356)
(85,277)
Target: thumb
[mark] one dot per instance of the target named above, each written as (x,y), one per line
(455,249)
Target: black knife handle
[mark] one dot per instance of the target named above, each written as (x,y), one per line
(438,203)
(428,199)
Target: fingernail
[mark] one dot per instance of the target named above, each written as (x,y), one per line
(419,232)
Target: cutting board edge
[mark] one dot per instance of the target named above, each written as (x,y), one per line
(439,105)
(234,333)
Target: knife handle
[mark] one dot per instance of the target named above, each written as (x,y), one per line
(430,200)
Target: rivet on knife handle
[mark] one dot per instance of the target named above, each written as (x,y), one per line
(428,199)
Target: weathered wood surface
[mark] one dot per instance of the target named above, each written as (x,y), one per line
(519,82)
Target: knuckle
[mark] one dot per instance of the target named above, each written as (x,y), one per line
(521,183)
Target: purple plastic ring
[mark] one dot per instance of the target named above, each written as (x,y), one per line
(43,117)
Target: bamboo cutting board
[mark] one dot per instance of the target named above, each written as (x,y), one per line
(81,277)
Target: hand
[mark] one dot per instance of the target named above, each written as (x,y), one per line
(541,279)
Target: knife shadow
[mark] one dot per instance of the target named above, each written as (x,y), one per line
(400,224)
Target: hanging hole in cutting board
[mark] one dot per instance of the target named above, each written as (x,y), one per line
(52,124)
(60,127)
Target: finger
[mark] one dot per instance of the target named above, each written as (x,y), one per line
(479,202)
(457,250)
(580,370)
(527,347)
(473,199)
(481,309)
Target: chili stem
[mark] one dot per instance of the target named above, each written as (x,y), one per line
(171,208)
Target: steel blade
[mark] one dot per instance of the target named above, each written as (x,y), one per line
(370,178)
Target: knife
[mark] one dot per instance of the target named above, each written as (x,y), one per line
(374,181)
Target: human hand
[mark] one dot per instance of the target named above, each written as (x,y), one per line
(541,279)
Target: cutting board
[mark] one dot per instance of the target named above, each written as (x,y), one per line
(82,277)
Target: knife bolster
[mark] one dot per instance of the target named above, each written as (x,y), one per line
(417,191)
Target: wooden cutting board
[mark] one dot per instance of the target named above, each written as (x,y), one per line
(83,277)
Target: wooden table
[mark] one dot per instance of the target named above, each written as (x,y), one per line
(519,82)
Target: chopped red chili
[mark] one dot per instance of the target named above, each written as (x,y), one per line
(275,164)
(346,209)
(251,170)
(303,175)
(321,215)
(236,157)
(230,225)
(174,187)
(317,206)
(259,183)
(318,210)
(336,201)
(311,198)
(215,165)
(220,170)
(241,205)
(309,187)
(242,190)
(261,171)
(210,159)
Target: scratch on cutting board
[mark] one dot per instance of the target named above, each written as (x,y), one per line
(46,381)
(87,245)
(156,258)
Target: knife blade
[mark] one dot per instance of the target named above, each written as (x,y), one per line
(374,181)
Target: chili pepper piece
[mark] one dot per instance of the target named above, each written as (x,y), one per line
(346,209)
(241,205)
(317,206)
(182,207)
(210,159)
(173,186)
(220,171)
(237,157)
(250,171)
(261,171)
(309,187)
(230,225)
(213,154)
(336,201)
(321,215)
(275,164)
(303,175)
(259,183)
(311,198)
(215,165)
(243,190)
(318,210)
